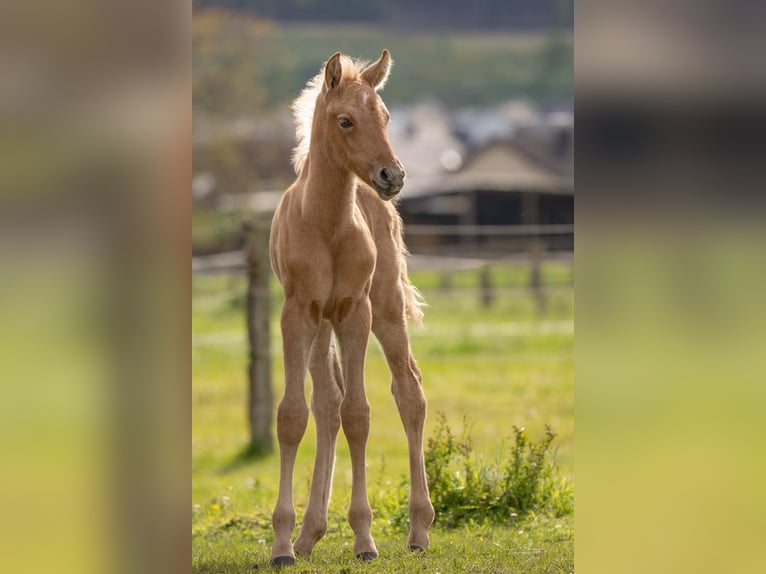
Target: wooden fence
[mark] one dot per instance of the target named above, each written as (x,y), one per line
(254,263)
(260,394)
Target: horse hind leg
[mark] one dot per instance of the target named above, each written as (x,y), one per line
(326,397)
(408,394)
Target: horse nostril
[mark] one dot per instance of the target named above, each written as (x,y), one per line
(385,175)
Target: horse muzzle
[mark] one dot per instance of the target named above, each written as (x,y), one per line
(388,182)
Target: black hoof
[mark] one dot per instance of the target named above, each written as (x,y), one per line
(283,561)
(367,555)
(416,548)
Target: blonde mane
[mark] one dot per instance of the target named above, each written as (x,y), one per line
(303,107)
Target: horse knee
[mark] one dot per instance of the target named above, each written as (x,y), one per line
(410,398)
(292,418)
(356,418)
(416,406)
(327,410)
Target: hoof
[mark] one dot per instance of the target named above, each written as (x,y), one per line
(367,556)
(416,548)
(283,561)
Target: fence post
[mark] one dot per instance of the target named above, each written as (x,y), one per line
(535,275)
(485,285)
(260,395)
(445,280)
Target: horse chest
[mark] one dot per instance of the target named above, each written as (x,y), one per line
(316,268)
(353,262)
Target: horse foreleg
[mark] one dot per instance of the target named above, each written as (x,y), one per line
(353,332)
(292,417)
(326,396)
(408,393)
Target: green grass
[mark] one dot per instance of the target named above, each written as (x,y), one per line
(506,366)
(543,545)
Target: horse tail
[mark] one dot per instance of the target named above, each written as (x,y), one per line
(413,300)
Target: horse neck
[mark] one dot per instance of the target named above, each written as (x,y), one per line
(329,190)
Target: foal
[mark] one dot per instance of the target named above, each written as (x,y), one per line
(336,248)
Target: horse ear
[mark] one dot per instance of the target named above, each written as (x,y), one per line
(333,71)
(376,74)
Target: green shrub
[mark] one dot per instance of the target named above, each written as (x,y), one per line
(464,489)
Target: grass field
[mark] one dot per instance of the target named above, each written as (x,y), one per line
(508,365)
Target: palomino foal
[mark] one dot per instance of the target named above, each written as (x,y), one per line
(337,249)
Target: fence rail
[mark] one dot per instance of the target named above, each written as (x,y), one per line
(489,230)
(425,243)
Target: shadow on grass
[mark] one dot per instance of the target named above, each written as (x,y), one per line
(249,454)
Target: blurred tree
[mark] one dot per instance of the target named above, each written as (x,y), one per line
(425,14)
(244,64)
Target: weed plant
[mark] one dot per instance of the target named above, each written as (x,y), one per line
(464,489)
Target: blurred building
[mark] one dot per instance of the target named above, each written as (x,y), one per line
(509,194)
(507,171)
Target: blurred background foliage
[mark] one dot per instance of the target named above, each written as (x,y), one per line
(251,57)
(478,14)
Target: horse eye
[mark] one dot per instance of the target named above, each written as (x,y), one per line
(345,123)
